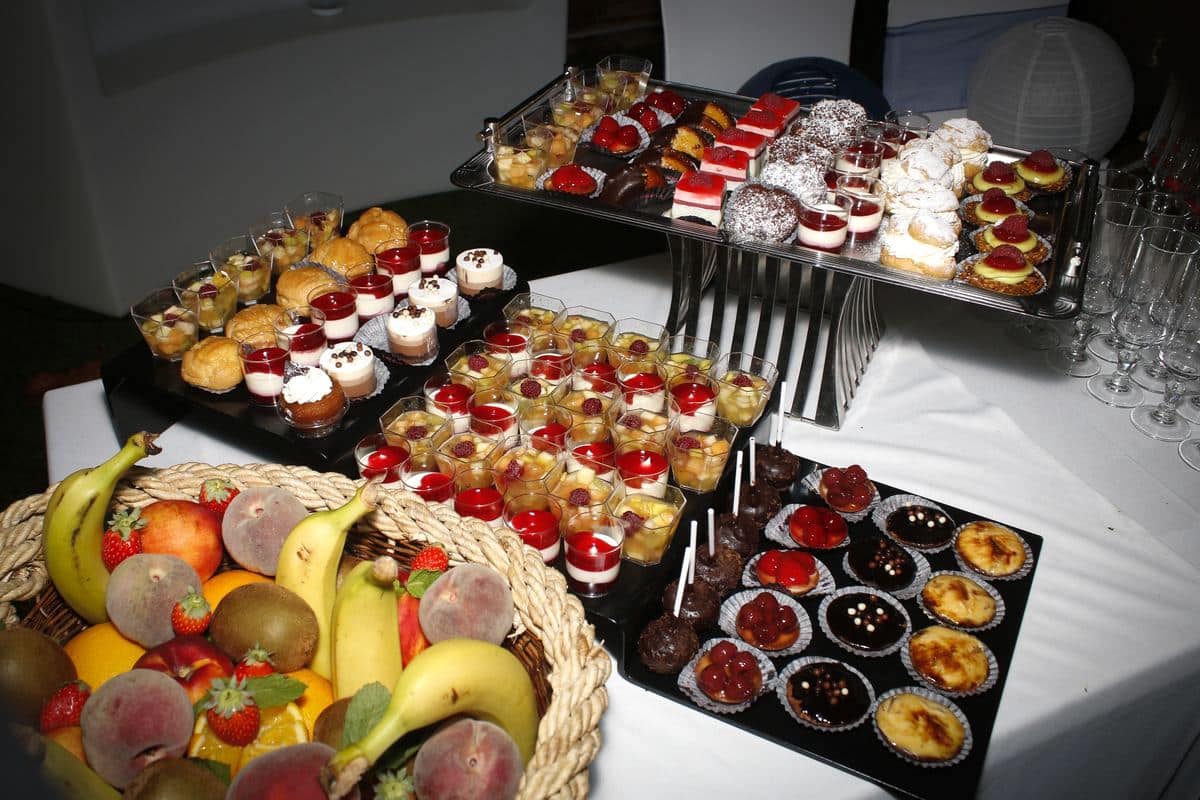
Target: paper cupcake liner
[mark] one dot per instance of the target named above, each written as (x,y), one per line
(928,694)
(597,175)
(978,198)
(373,334)
(881,512)
(1042,240)
(727,621)
(508,280)
(622,120)
(974,578)
(920,577)
(812,482)
(969,260)
(988,683)
(687,678)
(825,581)
(1025,569)
(893,602)
(793,667)
(780,532)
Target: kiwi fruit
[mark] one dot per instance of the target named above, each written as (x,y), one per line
(330,722)
(32,667)
(270,616)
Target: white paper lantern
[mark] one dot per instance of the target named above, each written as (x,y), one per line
(1054,82)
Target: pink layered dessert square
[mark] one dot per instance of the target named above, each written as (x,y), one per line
(753,145)
(787,110)
(764,123)
(732,165)
(698,194)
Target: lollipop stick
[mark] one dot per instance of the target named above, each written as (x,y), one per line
(737,483)
(687,557)
(712,533)
(752,459)
(692,547)
(779,414)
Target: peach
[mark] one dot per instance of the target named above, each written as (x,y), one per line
(256,523)
(468,759)
(292,772)
(193,661)
(470,601)
(184,529)
(141,592)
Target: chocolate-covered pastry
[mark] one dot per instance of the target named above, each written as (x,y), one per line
(920,526)
(776,466)
(736,534)
(689,139)
(865,621)
(701,111)
(700,605)
(631,184)
(881,564)
(758,504)
(668,158)
(667,644)
(722,570)
(827,694)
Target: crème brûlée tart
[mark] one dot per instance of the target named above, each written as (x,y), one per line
(1013,231)
(990,549)
(950,660)
(1042,171)
(958,600)
(1000,175)
(920,728)
(992,207)
(1005,270)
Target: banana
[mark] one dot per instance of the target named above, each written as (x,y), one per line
(309,559)
(366,645)
(70,778)
(455,676)
(74,525)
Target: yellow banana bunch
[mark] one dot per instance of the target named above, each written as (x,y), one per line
(74,526)
(366,641)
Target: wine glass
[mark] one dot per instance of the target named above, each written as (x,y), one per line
(1113,233)
(1166,210)
(1159,253)
(1119,185)
(1179,356)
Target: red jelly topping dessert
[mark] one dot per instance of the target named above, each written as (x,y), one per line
(758,120)
(597,455)
(1013,229)
(743,139)
(1041,161)
(997,202)
(999,172)
(641,463)
(1006,257)
(550,434)
(791,570)
(726,157)
(816,527)
(781,107)
(642,382)
(551,366)
(668,101)
(700,185)
(506,342)
(571,179)
(435,487)
(452,398)
(485,503)
(384,460)
(847,489)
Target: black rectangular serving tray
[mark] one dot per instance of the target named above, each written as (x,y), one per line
(147,393)
(621,615)
(1065,218)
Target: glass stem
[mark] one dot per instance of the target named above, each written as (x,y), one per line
(1164,412)
(1083,331)
(1127,359)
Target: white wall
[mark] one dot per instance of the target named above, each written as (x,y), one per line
(130,183)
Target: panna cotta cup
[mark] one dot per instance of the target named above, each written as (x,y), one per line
(319,214)
(429,475)
(649,522)
(824,220)
(538,311)
(402,261)
(866,205)
(408,420)
(252,273)
(692,401)
(863,156)
(278,241)
(594,367)
(543,425)
(448,395)
(372,295)
(550,358)
(262,368)
(698,459)
(494,407)
(477,495)
(643,384)
(912,124)
(537,520)
(433,239)
(169,328)
(593,542)
(412,334)
(888,134)
(591,445)
(340,308)
(479,269)
(301,332)
(212,294)
(638,339)
(643,467)
(513,338)
(379,456)
(439,295)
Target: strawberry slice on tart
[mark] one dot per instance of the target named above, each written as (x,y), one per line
(1005,270)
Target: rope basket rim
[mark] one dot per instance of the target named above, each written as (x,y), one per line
(578,667)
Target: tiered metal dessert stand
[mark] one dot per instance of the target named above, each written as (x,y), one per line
(837,291)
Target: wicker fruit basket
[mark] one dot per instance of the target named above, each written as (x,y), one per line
(553,640)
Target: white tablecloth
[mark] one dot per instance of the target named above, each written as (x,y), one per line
(1101,699)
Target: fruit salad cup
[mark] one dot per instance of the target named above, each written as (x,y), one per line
(301,332)
(514,338)
(430,475)
(592,446)
(477,495)
(593,541)
(692,401)
(537,519)
(472,447)
(643,466)
(278,241)
(543,425)
(527,468)
(409,420)
(689,354)
(477,361)
(494,409)
(583,324)
(631,421)
(624,77)
(585,85)
(210,293)
(379,455)
(594,367)
(519,165)
(638,339)
(746,383)
(649,522)
(585,405)
(252,272)
(448,395)
(168,327)
(319,214)
(538,311)
(535,390)
(698,459)
(551,358)
(576,114)
(581,491)
(558,142)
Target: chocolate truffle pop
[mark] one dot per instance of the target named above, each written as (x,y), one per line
(779,415)
(752,459)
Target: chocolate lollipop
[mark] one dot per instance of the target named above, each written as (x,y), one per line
(668,643)
(718,565)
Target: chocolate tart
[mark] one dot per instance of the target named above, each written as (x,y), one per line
(920,526)
(881,564)
(825,694)
(864,621)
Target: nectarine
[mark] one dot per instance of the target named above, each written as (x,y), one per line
(185,529)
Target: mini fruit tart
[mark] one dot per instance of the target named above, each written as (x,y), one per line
(617,135)
(817,528)
(791,571)
(729,675)
(768,624)
(1004,270)
(1043,172)
(1013,231)
(991,208)
(848,490)
(1000,175)
(573,180)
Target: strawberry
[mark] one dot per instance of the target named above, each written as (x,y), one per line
(191,614)
(795,570)
(607,125)
(123,537)
(628,139)
(1041,161)
(231,712)
(216,494)
(432,558)
(62,709)
(255,664)
(1013,229)
(604,140)
(572,179)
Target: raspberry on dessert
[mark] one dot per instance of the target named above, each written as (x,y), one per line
(639,347)
(592,406)
(579,497)
(633,521)
(1006,257)
(414,432)
(999,172)
(463,449)
(1041,161)
(631,420)
(687,443)
(513,470)
(996,201)
(742,380)
(530,388)
(578,335)
(477,363)
(691,370)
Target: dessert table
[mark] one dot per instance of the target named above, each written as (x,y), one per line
(1101,698)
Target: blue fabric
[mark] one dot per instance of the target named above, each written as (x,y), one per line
(926,64)
(808,80)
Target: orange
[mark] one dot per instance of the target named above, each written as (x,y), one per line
(223,583)
(205,744)
(316,697)
(70,739)
(279,726)
(101,652)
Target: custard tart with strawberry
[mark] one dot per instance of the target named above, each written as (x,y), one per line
(1013,231)
(1042,171)
(992,207)
(1000,175)
(1005,270)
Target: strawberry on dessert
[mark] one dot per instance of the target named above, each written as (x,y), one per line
(1043,171)
(991,207)
(728,675)
(847,490)
(698,195)
(667,101)
(1005,270)
(782,107)
(1013,231)
(612,137)
(645,116)
(754,145)
(764,123)
(816,527)
(571,179)
(732,165)
(1001,175)
(768,624)
(790,570)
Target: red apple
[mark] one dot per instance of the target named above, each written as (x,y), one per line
(193,661)
(185,529)
(412,637)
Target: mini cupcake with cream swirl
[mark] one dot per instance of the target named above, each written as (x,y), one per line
(312,403)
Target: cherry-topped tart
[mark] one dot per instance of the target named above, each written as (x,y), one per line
(728,675)
(992,207)
(1005,270)
(768,624)
(1043,171)
(1014,231)
(847,490)
(791,570)
(571,179)
(612,137)
(1000,175)
(817,527)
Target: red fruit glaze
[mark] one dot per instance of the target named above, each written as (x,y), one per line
(1013,229)
(999,172)
(997,202)
(1041,161)
(1005,257)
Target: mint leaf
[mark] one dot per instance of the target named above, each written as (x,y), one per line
(366,708)
(275,689)
(218,768)
(420,581)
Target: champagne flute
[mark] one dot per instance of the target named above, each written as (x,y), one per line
(1179,356)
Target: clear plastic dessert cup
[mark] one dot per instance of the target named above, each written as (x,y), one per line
(688,354)
(476,360)
(543,425)
(372,295)
(537,519)
(449,395)
(913,124)
(631,421)
(583,324)
(538,311)
(211,293)
(526,468)
(862,156)
(513,338)
(402,261)
(591,445)
(168,327)
(643,467)
(650,522)
(889,134)
(637,338)
(575,113)
(339,304)
(319,214)
(594,367)
(593,541)
(251,271)
(276,240)
(824,220)
(746,383)
(301,332)
(263,371)
(519,165)
(479,445)
(585,85)
(433,239)
(409,421)
(378,455)
(866,196)
(558,142)
(624,77)
(698,459)
(643,384)
(550,358)
(494,407)
(429,475)
(692,401)
(477,495)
